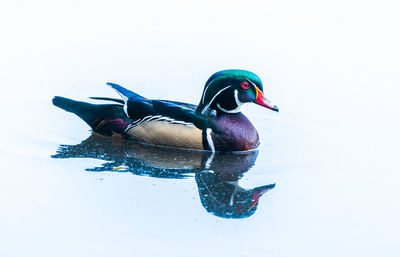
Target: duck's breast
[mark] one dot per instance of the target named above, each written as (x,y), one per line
(234,132)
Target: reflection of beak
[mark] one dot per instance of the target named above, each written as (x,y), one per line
(263,101)
(258,192)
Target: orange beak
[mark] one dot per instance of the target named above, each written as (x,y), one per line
(263,101)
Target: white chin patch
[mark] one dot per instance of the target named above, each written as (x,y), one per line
(238,103)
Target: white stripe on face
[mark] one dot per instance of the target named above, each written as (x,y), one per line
(212,100)
(205,89)
(252,82)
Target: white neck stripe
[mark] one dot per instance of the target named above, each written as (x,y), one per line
(209,160)
(209,139)
(238,103)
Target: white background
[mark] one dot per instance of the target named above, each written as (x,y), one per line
(332,67)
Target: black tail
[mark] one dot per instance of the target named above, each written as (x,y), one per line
(92,114)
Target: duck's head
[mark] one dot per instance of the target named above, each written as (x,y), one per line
(226,91)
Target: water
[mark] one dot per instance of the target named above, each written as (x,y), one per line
(331,151)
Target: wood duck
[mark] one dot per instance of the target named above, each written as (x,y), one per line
(216,124)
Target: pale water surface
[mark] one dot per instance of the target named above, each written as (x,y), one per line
(332,151)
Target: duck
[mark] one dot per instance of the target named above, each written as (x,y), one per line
(216,124)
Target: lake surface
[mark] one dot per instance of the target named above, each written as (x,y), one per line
(324,182)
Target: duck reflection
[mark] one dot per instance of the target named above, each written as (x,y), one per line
(217,175)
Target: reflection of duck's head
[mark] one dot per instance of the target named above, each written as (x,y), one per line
(216,174)
(226,198)
(219,189)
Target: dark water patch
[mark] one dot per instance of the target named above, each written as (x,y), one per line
(216,174)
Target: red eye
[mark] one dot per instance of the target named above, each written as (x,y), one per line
(245,85)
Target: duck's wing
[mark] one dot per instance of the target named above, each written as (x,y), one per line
(180,113)
(136,106)
(140,109)
(108,99)
(184,105)
(193,107)
(125,93)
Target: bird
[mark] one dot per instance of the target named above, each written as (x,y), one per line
(216,124)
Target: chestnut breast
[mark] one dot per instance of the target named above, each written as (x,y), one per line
(234,132)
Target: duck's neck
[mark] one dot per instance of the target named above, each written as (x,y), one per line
(222,111)
(229,107)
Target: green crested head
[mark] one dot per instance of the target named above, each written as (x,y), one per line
(226,91)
